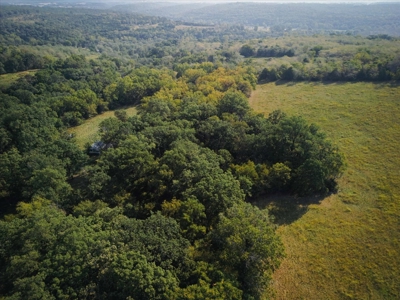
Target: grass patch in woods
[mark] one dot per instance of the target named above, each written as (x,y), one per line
(346,247)
(88,132)
(7,79)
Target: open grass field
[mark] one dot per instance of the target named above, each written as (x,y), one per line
(7,79)
(348,245)
(88,131)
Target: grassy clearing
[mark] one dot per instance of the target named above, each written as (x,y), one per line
(7,79)
(334,49)
(347,246)
(88,131)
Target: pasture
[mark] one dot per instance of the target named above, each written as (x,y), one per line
(347,245)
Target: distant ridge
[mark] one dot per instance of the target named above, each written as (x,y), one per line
(376,18)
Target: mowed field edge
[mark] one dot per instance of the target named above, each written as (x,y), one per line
(348,245)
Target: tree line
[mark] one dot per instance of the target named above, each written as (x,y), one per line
(321,63)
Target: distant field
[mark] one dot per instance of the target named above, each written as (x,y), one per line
(348,246)
(7,79)
(88,131)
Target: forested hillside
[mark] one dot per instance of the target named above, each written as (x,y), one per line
(194,154)
(166,204)
(360,18)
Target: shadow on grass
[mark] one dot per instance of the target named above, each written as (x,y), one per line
(312,82)
(383,84)
(393,83)
(286,82)
(280,82)
(286,208)
(378,84)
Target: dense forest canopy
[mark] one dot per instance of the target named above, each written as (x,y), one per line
(165,211)
(192,156)
(31,38)
(276,18)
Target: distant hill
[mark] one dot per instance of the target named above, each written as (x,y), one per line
(379,18)
(306,18)
(165,9)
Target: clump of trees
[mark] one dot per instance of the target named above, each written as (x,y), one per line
(320,63)
(354,69)
(266,51)
(13,59)
(165,213)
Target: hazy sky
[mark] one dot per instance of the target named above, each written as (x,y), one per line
(265,1)
(260,1)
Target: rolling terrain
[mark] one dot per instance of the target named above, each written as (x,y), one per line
(188,153)
(346,246)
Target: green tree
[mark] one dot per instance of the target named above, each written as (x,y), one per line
(130,276)
(114,130)
(50,183)
(190,215)
(211,283)
(11,176)
(47,254)
(195,173)
(246,245)
(246,50)
(233,103)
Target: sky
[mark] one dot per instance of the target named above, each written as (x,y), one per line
(263,1)
(258,1)
(213,1)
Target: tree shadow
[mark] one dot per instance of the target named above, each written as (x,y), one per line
(311,82)
(286,82)
(8,208)
(383,84)
(393,83)
(286,208)
(339,82)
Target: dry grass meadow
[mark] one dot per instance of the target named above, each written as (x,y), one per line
(7,79)
(347,246)
(88,132)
